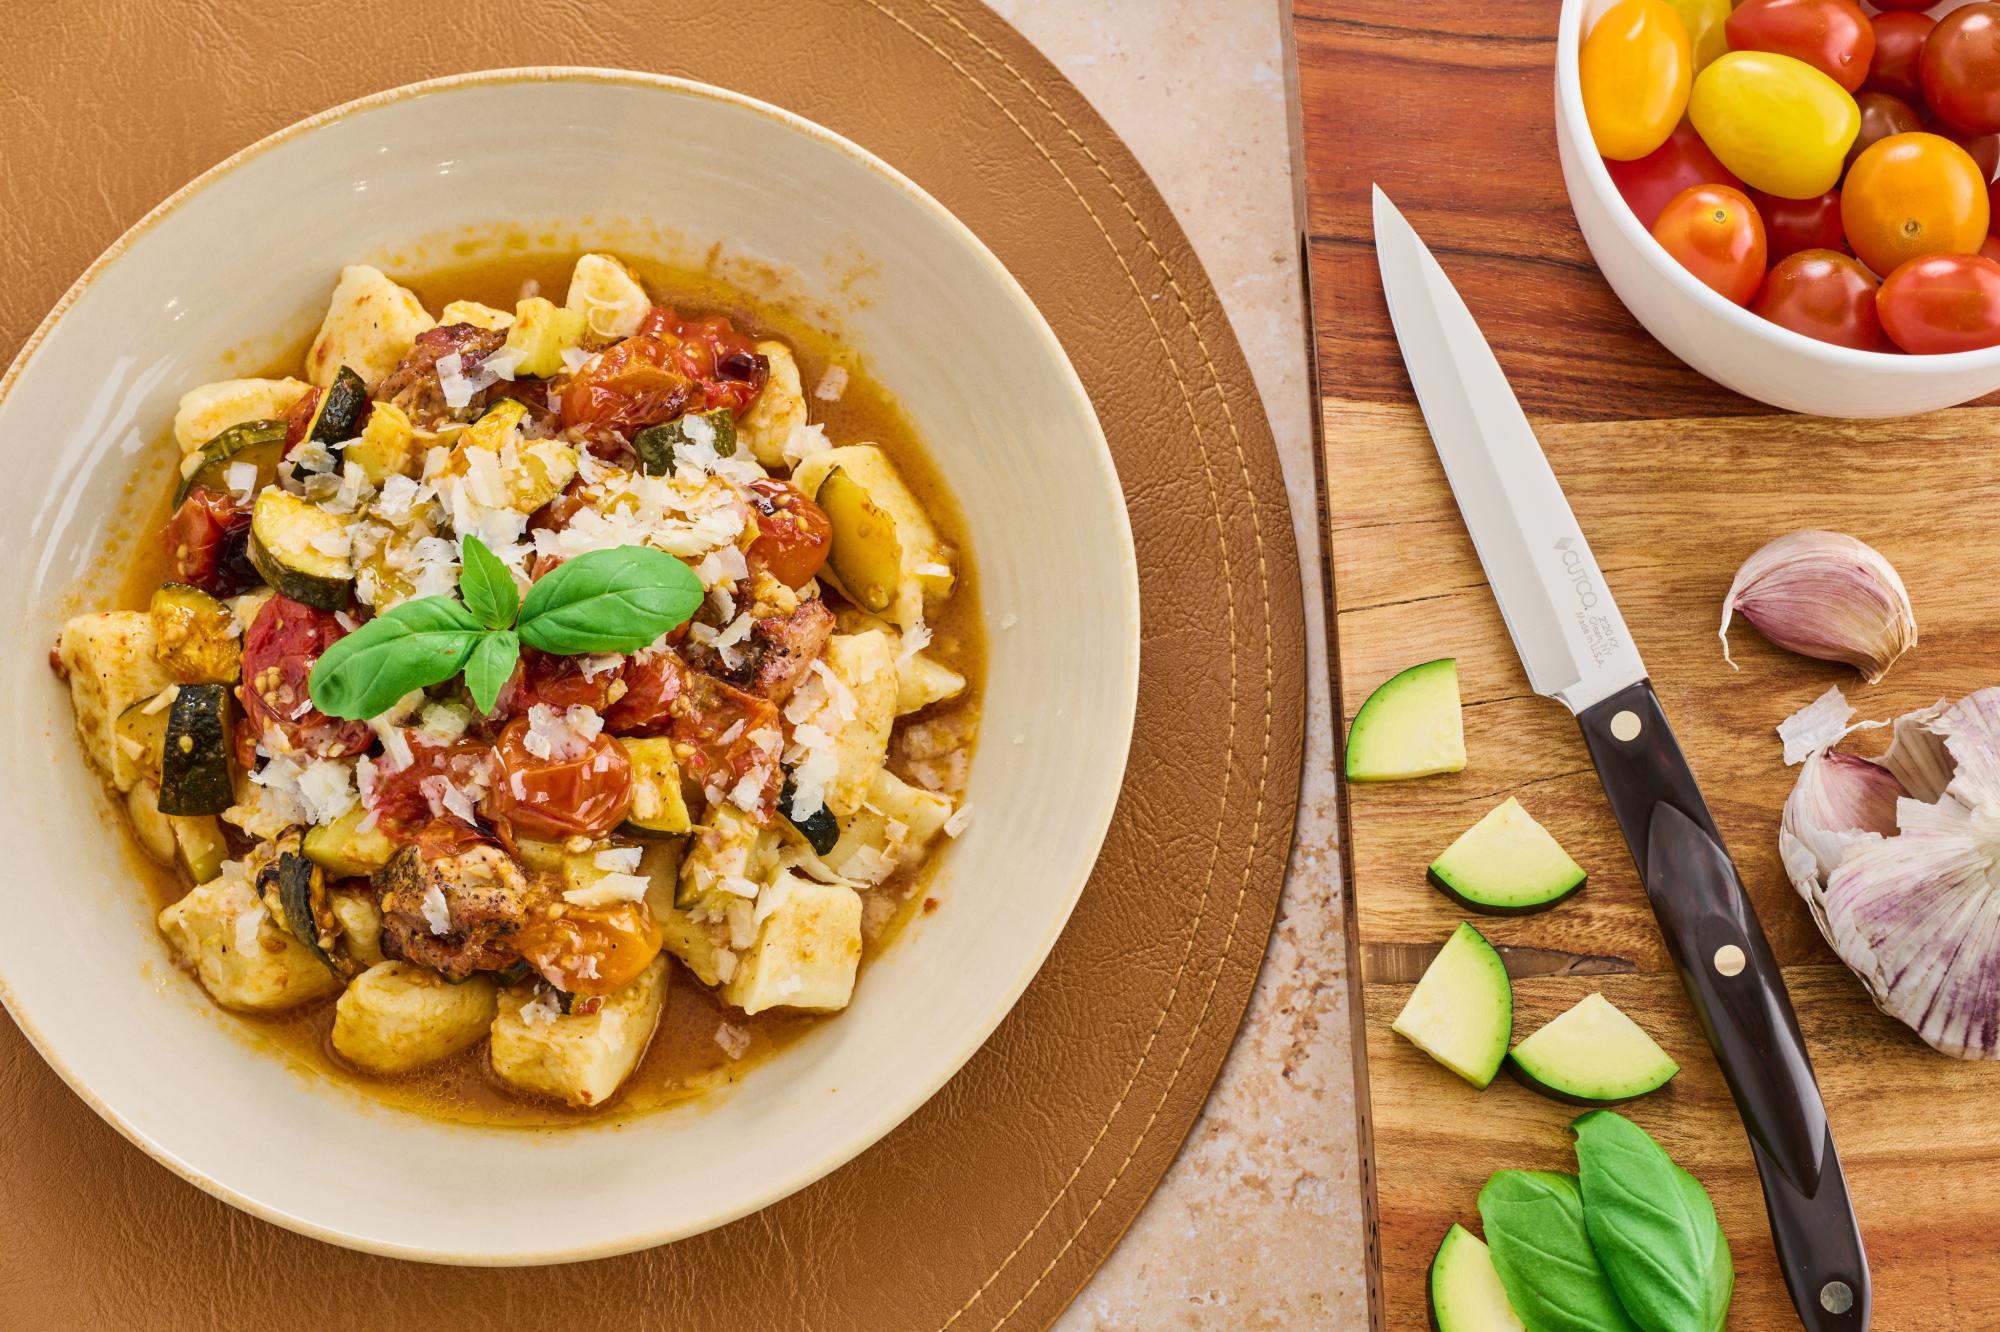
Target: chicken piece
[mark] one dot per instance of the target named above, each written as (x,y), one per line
(456,910)
(414,386)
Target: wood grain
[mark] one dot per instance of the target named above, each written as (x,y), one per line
(1675,480)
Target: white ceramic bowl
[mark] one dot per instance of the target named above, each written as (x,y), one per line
(632,160)
(1717,337)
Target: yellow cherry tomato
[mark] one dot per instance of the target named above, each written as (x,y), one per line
(1704,20)
(1778,123)
(1636,68)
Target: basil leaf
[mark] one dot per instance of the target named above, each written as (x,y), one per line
(616,600)
(486,671)
(487,585)
(418,643)
(1534,1227)
(1653,1227)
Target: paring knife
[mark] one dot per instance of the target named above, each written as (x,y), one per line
(1577,651)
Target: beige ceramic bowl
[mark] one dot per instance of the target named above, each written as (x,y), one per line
(252,248)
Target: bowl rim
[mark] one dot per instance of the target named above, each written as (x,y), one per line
(1569,101)
(975,1034)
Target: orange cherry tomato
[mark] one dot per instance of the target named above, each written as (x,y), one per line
(1636,67)
(562,794)
(1911,195)
(1826,295)
(591,950)
(1833,36)
(1715,234)
(794,534)
(1942,303)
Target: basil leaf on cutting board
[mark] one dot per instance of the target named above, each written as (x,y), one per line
(1653,1227)
(616,600)
(418,644)
(1534,1227)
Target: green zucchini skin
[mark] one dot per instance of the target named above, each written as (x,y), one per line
(655,445)
(1484,908)
(194,759)
(340,410)
(281,530)
(258,442)
(821,831)
(294,889)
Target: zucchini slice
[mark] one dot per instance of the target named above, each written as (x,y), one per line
(294,891)
(867,558)
(259,443)
(290,545)
(198,846)
(194,756)
(659,809)
(340,408)
(1592,1055)
(345,849)
(141,731)
(821,830)
(655,445)
(1506,865)
(197,637)
(1462,1012)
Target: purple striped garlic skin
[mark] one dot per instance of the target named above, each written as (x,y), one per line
(1825,595)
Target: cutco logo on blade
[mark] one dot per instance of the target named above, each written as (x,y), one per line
(1579,577)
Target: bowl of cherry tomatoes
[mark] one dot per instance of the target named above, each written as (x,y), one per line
(1796,197)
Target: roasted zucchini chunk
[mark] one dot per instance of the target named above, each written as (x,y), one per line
(886,555)
(340,409)
(256,444)
(141,735)
(345,849)
(820,829)
(659,809)
(387,446)
(541,331)
(198,639)
(656,445)
(866,561)
(301,550)
(194,753)
(294,892)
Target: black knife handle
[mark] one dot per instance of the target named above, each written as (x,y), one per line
(1739,997)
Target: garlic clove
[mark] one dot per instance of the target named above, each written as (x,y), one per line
(1841,799)
(1825,595)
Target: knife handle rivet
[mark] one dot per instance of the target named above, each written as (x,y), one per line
(1729,960)
(1625,725)
(1836,1297)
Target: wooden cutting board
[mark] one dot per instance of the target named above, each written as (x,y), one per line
(1675,480)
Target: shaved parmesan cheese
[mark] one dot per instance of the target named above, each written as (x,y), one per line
(609,890)
(621,859)
(959,820)
(542,1009)
(437,914)
(831,384)
(241,477)
(735,1041)
(803,443)
(247,926)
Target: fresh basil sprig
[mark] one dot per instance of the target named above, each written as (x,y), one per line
(1541,1249)
(1653,1227)
(616,600)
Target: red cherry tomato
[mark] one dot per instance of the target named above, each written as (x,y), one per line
(652,680)
(1960,69)
(1833,36)
(1942,303)
(591,950)
(709,351)
(1824,295)
(1983,149)
(1990,247)
(207,543)
(1993,207)
(406,811)
(1791,225)
(724,735)
(1651,182)
(627,386)
(793,533)
(1715,233)
(1882,115)
(1903,6)
(1899,42)
(279,650)
(560,682)
(583,791)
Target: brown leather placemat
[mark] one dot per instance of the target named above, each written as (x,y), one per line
(993,1204)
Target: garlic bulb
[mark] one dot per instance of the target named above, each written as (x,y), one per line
(1899,859)
(1825,595)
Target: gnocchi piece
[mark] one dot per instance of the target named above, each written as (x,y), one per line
(387,446)
(922,680)
(112,660)
(607,295)
(397,1016)
(207,411)
(360,921)
(155,830)
(807,951)
(222,932)
(779,409)
(897,822)
(475,314)
(866,664)
(370,326)
(878,527)
(577,1058)
(541,333)
(729,846)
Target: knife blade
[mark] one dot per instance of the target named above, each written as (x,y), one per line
(1577,650)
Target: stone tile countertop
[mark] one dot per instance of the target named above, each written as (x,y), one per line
(1259,1223)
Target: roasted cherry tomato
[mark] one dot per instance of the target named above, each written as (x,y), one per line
(1652,181)
(560,682)
(723,735)
(710,351)
(1899,42)
(1778,123)
(1993,207)
(583,788)
(652,680)
(279,650)
(1912,195)
(590,950)
(408,802)
(1636,67)
(1715,233)
(1791,225)
(793,533)
(1833,36)
(1942,303)
(627,386)
(1704,20)
(1882,115)
(207,543)
(1960,69)
(1824,295)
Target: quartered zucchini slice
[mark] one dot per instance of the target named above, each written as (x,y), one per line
(141,730)
(821,830)
(197,635)
(259,443)
(659,809)
(198,846)
(294,891)
(655,445)
(194,755)
(337,418)
(867,558)
(345,849)
(291,545)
